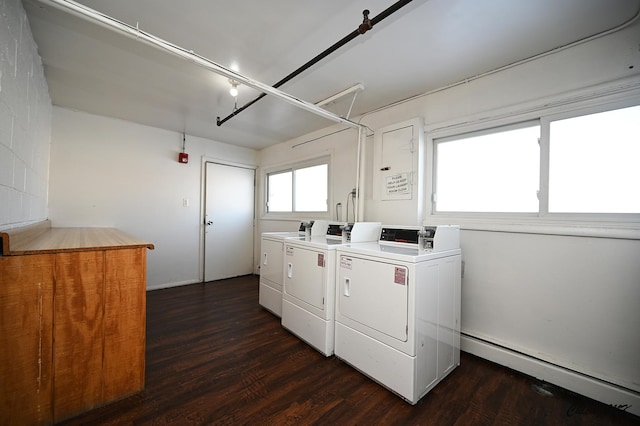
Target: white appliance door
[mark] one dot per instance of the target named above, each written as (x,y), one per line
(271,262)
(374,294)
(394,153)
(304,275)
(228,221)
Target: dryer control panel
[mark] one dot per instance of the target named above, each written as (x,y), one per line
(432,238)
(399,235)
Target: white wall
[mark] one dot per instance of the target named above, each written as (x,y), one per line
(25,122)
(562,300)
(559,298)
(341,146)
(113,173)
(531,300)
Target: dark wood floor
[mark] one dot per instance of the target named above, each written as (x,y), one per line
(215,357)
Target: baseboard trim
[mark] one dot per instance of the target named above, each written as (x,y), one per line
(604,392)
(169,285)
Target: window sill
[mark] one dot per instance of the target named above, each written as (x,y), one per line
(612,230)
(294,217)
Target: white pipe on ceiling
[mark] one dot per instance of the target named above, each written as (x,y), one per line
(355,88)
(133,32)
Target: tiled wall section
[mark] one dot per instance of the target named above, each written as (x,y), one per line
(25,121)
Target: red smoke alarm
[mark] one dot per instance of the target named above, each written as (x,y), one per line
(183,157)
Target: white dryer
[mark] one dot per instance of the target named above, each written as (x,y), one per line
(398,308)
(308,294)
(271,262)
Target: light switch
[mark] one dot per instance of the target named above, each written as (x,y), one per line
(185,202)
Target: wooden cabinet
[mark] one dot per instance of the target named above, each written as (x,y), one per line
(72,335)
(124,322)
(26,337)
(78,332)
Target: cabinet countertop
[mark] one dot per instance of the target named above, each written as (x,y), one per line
(44,239)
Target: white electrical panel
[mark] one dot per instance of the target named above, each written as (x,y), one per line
(396,161)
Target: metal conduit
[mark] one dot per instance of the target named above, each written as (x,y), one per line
(366,25)
(135,33)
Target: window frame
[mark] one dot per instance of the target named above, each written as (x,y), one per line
(292,167)
(545,148)
(472,134)
(557,221)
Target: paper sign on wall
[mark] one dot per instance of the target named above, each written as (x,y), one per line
(397,184)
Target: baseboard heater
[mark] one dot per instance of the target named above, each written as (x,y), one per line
(575,381)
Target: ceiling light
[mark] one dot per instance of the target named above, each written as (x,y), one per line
(233,91)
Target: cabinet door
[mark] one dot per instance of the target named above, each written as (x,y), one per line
(26,321)
(124,322)
(395,151)
(78,332)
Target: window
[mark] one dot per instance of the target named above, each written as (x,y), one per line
(562,166)
(280,194)
(298,189)
(496,171)
(593,163)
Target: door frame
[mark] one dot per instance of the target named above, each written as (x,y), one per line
(203,207)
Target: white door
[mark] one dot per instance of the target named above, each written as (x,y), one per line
(271,268)
(305,275)
(394,153)
(229,220)
(374,294)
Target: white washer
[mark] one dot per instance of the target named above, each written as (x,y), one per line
(271,263)
(308,293)
(398,308)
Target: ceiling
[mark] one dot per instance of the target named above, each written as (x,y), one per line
(425,45)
